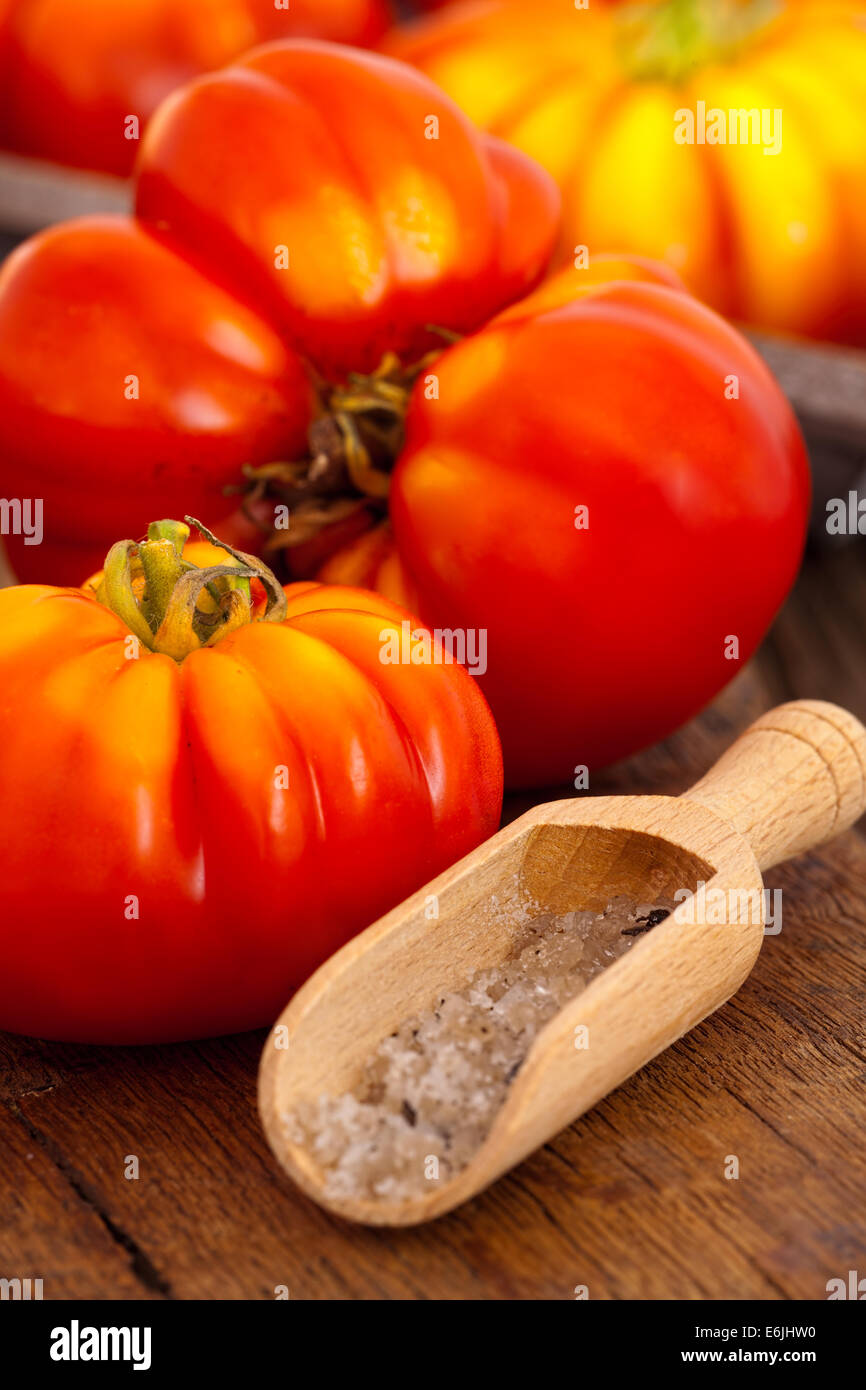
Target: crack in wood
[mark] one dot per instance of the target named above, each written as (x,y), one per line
(140,1263)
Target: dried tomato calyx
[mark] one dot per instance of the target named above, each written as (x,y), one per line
(175,607)
(354,442)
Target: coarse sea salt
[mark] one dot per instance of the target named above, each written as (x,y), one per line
(428,1095)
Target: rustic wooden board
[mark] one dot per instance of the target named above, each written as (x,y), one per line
(631,1201)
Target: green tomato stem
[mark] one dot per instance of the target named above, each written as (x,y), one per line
(156,592)
(668,40)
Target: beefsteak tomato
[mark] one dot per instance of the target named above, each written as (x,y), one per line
(197,808)
(612,488)
(144,362)
(598,487)
(727,138)
(72,72)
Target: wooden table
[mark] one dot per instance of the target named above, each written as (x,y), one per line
(632,1201)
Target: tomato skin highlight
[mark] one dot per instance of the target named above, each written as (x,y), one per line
(72,71)
(155,883)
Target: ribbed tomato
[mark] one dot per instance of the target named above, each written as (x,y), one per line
(591,493)
(187,830)
(725,138)
(144,362)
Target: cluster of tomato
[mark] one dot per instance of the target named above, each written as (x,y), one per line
(331,332)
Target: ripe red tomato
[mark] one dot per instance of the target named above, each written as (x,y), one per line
(349,255)
(168,381)
(183,839)
(276,261)
(607,627)
(73,71)
(165,387)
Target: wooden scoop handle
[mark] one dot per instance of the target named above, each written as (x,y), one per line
(794,779)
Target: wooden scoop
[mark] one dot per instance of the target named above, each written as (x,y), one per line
(794,779)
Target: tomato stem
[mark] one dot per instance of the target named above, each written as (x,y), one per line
(667,41)
(175,607)
(162,562)
(354,443)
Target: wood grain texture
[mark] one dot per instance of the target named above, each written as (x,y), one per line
(631,1200)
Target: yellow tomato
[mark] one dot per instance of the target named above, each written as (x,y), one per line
(727,139)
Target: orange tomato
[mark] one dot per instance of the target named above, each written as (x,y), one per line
(184,837)
(771,229)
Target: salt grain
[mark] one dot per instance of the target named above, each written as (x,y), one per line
(429,1094)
